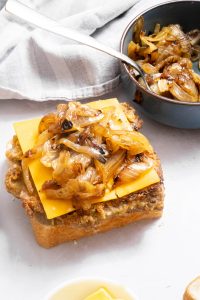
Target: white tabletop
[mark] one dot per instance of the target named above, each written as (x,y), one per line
(156,259)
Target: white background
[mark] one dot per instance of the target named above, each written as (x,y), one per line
(156,259)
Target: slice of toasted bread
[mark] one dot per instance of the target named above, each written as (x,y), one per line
(192,291)
(146,203)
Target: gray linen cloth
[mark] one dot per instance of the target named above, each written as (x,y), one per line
(38,65)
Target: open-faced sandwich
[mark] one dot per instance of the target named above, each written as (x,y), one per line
(84,169)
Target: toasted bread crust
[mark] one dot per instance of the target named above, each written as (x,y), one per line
(48,236)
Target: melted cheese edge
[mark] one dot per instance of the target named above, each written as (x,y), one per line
(27,132)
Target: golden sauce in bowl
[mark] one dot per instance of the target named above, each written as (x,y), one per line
(93,289)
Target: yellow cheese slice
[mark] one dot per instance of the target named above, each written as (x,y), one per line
(27,132)
(127,188)
(100,294)
(124,124)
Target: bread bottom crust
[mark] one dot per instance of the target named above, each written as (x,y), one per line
(48,235)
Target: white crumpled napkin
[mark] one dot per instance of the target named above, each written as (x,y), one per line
(38,65)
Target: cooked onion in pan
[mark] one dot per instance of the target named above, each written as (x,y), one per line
(166,57)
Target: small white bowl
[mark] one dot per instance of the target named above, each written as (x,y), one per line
(79,289)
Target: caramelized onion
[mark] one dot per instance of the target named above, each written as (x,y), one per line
(110,169)
(188,85)
(26,175)
(181,37)
(60,163)
(154,87)
(194,36)
(157,28)
(138,27)
(83,149)
(61,111)
(133,141)
(43,137)
(70,117)
(90,175)
(163,85)
(107,112)
(82,115)
(49,154)
(149,69)
(78,191)
(180,94)
(90,120)
(150,46)
(196,77)
(168,53)
(169,60)
(133,49)
(46,122)
(69,166)
(159,36)
(133,171)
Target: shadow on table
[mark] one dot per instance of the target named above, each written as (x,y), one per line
(172,144)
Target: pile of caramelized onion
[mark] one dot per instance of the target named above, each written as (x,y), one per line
(166,57)
(88,152)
